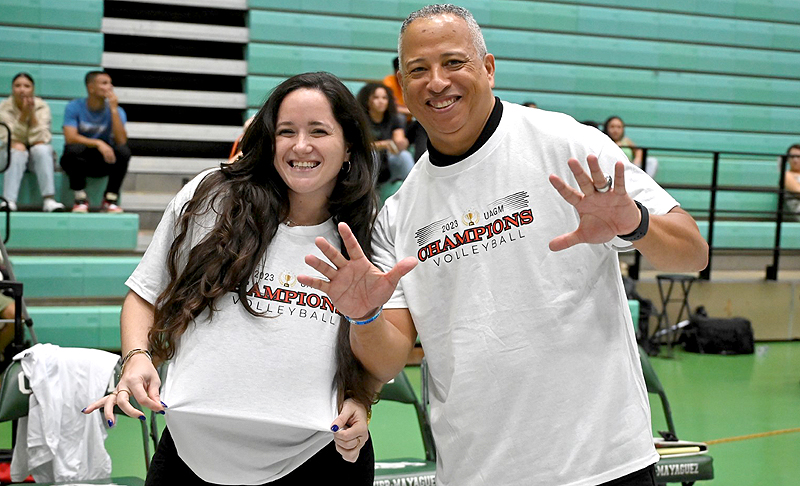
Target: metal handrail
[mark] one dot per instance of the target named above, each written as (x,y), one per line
(713,212)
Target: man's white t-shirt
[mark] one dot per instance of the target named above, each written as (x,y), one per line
(250,398)
(535,374)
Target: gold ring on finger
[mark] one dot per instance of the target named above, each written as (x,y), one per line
(124,390)
(606,186)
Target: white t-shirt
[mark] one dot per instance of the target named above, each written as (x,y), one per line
(535,374)
(250,398)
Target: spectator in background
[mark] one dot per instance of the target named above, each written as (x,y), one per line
(96,142)
(28,117)
(530,104)
(791,182)
(614,127)
(414,132)
(590,123)
(387,126)
(390,81)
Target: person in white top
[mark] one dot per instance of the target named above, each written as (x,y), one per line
(510,276)
(28,118)
(262,384)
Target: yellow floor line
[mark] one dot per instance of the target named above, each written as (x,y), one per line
(753,436)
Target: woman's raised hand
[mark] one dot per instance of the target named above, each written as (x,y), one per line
(356,286)
(140,379)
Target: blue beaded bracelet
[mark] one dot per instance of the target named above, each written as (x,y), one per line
(361,323)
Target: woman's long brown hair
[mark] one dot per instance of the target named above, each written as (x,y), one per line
(248,200)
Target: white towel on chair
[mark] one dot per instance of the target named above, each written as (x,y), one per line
(56,442)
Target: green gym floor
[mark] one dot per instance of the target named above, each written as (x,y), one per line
(746,407)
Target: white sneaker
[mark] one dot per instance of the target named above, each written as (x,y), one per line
(51,205)
(12,206)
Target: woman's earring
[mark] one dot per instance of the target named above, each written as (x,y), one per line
(348,166)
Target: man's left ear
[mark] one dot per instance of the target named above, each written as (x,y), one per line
(488,63)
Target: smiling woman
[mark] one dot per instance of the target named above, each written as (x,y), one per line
(310,153)
(229,242)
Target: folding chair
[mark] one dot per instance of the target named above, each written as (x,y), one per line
(14,399)
(409,470)
(683,468)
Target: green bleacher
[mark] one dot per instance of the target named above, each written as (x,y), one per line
(77,326)
(99,254)
(542,78)
(71,232)
(770,10)
(74,14)
(678,77)
(74,276)
(562,14)
(50,45)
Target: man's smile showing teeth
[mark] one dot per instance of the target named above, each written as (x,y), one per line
(443,103)
(303,165)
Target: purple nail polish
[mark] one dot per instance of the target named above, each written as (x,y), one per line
(164,405)
(335,428)
(110,423)
(84,410)
(142,418)
(163,412)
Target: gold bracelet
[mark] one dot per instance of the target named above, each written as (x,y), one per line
(132,353)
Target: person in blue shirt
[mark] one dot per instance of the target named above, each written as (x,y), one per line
(96,142)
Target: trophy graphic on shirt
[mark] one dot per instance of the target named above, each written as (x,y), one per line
(287,279)
(470,217)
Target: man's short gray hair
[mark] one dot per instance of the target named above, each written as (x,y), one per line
(440,9)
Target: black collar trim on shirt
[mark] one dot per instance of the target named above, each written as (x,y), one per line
(441,160)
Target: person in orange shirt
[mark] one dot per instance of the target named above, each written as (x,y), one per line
(391,82)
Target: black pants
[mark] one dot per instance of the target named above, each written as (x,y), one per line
(642,477)
(325,467)
(80,162)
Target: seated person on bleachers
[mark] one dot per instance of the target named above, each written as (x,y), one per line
(791,183)
(28,117)
(388,130)
(96,142)
(614,127)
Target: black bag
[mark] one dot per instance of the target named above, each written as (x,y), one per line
(714,335)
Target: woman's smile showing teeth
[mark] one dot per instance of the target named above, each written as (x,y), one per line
(296,164)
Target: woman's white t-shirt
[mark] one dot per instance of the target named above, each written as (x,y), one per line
(250,398)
